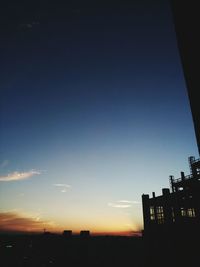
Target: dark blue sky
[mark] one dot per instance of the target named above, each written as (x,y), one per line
(93,91)
(79,61)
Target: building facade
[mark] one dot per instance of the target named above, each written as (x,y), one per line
(177,211)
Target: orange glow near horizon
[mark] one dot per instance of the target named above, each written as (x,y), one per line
(16,222)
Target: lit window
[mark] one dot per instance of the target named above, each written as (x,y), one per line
(160,214)
(191,212)
(183,212)
(152,213)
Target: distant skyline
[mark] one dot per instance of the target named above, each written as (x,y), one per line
(94,113)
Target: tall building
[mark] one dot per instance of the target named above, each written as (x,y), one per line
(186,22)
(177,211)
(172,220)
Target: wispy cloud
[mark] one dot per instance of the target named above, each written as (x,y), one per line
(122,203)
(129,201)
(15,221)
(16,176)
(64,187)
(115,205)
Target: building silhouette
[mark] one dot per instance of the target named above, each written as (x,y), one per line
(172,220)
(84,233)
(67,233)
(177,211)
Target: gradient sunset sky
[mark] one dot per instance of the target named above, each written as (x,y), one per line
(94,113)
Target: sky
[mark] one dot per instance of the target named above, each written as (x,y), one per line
(94,113)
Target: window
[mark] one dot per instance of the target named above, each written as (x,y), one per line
(152,213)
(183,212)
(173,214)
(191,212)
(160,214)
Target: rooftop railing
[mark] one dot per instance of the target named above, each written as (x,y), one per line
(187,177)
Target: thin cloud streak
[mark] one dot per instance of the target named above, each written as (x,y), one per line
(123,203)
(17,176)
(129,201)
(64,187)
(14,221)
(113,205)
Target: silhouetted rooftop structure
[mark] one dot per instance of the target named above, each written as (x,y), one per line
(177,211)
(67,233)
(84,233)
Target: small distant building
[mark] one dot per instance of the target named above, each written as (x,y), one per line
(177,211)
(46,233)
(67,233)
(84,233)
